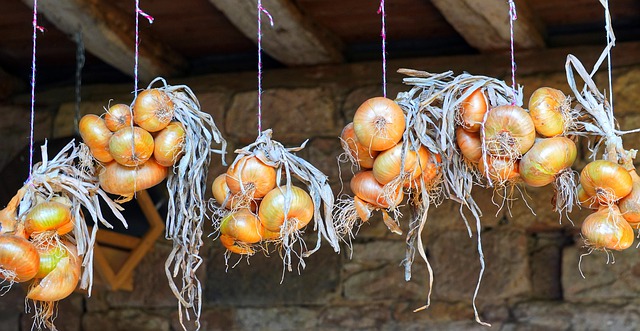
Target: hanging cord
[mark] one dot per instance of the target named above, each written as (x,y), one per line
(383,34)
(36,28)
(80,59)
(260,11)
(137,44)
(611,42)
(512,17)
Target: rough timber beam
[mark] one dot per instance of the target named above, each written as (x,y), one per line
(484,24)
(293,40)
(109,34)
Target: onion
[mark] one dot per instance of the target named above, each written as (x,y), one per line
(125,181)
(225,199)
(429,173)
(242,225)
(607,229)
(358,152)
(379,123)
(545,107)
(472,111)
(96,135)
(470,144)
(230,243)
(49,216)
(387,165)
(50,256)
(297,203)
(9,216)
(129,153)
(365,186)
(153,110)
(585,200)
(257,178)
(168,144)
(499,169)
(509,131)
(117,117)
(630,205)
(606,180)
(546,159)
(61,281)
(363,209)
(19,260)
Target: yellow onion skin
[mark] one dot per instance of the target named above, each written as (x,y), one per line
(499,169)
(545,107)
(19,257)
(125,181)
(254,174)
(351,145)
(388,163)
(363,209)
(230,244)
(586,200)
(470,144)
(630,205)
(606,180)
(512,121)
(607,229)
(117,117)
(61,281)
(242,225)
(96,136)
(272,208)
(379,123)
(221,193)
(472,110)
(49,257)
(9,215)
(131,146)
(547,158)
(365,186)
(153,110)
(168,144)
(48,216)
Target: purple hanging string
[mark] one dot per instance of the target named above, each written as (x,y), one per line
(137,43)
(260,11)
(512,17)
(383,34)
(36,28)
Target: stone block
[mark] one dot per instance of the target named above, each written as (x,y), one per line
(354,317)
(625,90)
(126,320)
(213,319)
(294,115)
(556,80)
(215,103)
(68,314)
(277,318)
(546,262)
(12,309)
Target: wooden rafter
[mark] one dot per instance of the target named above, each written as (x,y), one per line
(484,24)
(109,34)
(294,40)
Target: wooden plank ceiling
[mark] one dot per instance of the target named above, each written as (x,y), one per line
(190,37)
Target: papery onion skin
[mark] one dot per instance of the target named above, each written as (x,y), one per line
(221,193)
(96,135)
(168,144)
(254,174)
(472,110)
(230,244)
(117,117)
(470,144)
(9,215)
(125,181)
(388,163)
(545,107)
(131,147)
(606,180)
(364,185)
(153,110)
(49,258)
(272,208)
(509,121)
(363,209)
(585,200)
(48,216)
(18,257)
(61,281)
(540,165)
(242,225)
(379,123)
(499,169)
(607,229)
(350,144)
(630,205)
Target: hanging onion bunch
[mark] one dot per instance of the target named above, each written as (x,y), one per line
(45,238)
(269,196)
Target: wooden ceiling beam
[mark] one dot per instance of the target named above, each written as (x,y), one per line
(109,34)
(294,40)
(484,24)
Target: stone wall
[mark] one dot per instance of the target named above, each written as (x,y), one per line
(532,279)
